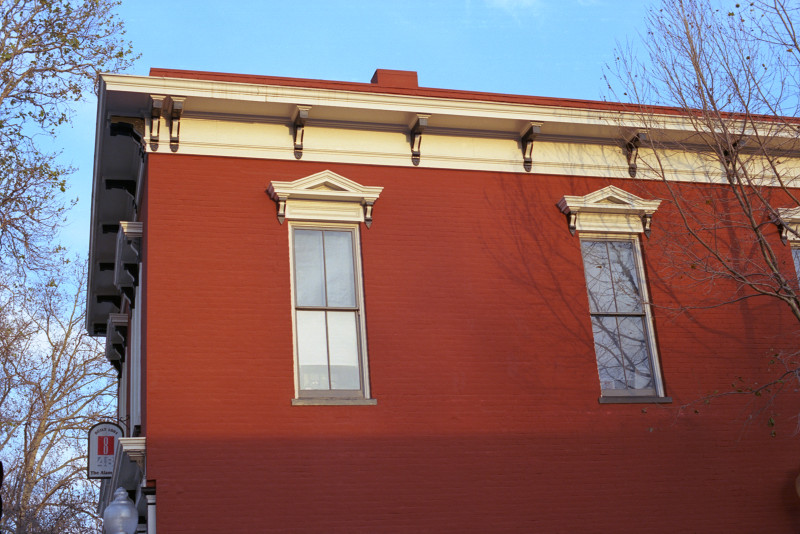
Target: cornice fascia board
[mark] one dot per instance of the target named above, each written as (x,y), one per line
(434,106)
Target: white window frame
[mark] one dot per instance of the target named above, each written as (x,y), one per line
(650,340)
(333,395)
(613,214)
(327,200)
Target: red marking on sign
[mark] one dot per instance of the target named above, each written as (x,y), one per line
(105,445)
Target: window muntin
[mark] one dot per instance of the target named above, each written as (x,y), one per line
(328,314)
(620,315)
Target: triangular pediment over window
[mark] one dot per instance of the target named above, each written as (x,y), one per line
(610,209)
(324,196)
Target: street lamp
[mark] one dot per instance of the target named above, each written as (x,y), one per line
(120,516)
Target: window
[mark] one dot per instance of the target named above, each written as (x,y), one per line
(328,314)
(325,212)
(610,222)
(796,257)
(620,316)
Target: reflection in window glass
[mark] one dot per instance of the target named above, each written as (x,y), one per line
(796,256)
(619,321)
(326,311)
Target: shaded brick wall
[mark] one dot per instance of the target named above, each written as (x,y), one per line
(481,358)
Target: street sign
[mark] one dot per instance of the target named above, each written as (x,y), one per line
(103,447)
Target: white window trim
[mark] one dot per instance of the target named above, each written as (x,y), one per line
(613,214)
(319,201)
(648,316)
(324,197)
(610,209)
(331,396)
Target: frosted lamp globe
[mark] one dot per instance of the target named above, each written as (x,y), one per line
(120,516)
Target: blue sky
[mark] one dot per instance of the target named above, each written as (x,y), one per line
(535,47)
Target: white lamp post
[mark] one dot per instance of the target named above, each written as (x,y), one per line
(120,516)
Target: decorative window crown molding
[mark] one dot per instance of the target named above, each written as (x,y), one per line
(609,210)
(788,222)
(324,196)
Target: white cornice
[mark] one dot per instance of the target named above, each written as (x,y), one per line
(412,104)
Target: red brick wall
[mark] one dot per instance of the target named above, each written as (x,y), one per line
(481,359)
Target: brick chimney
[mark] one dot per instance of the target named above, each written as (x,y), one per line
(406,79)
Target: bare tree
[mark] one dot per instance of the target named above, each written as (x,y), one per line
(730,74)
(51,52)
(55,384)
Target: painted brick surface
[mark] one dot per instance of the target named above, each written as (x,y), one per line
(481,359)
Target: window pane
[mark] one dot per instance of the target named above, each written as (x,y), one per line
(312,350)
(796,256)
(598,276)
(343,346)
(638,372)
(339,269)
(624,277)
(309,270)
(607,349)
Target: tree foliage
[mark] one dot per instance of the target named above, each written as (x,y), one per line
(54,382)
(51,52)
(731,73)
(54,385)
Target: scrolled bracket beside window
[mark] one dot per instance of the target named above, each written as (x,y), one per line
(788,222)
(527,138)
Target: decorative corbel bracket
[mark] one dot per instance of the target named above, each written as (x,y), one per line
(116,336)
(415,136)
(368,212)
(788,222)
(154,120)
(177,105)
(647,219)
(299,118)
(632,151)
(527,137)
(280,201)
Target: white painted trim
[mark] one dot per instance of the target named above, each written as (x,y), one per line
(376,101)
(324,196)
(646,307)
(361,314)
(610,209)
(136,357)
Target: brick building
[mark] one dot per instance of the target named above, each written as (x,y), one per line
(378,307)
